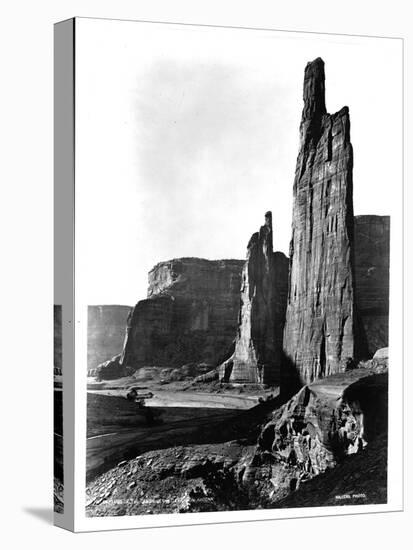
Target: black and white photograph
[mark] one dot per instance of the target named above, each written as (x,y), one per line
(235,216)
(206,307)
(58,474)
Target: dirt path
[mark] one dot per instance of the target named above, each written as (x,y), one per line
(167,398)
(118,430)
(106,450)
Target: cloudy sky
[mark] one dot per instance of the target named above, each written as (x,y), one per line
(187,135)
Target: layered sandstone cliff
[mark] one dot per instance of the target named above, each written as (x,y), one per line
(319,330)
(57,340)
(337,284)
(190,314)
(320,426)
(372,262)
(258,348)
(106,333)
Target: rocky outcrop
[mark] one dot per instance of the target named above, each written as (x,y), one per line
(176,480)
(106,333)
(319,329)
(372,263)
(57,339)
(316,432)
(320,426)
(359,479)
(190,315)
(111,370)
(258,347)
(381,354)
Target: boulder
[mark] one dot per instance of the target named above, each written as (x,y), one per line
(112,369)
(380,361)
(381,354)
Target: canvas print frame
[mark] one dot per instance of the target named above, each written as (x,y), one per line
(79,40)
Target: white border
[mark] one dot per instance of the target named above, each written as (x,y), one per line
(395,462)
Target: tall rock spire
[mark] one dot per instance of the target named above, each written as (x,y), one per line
(319,329)
(258,344)
(314,90)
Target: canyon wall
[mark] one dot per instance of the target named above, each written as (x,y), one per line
(302,318)
(319,330)
(57,339)
(372,263)
(106,332)
(257,355)
(190,314)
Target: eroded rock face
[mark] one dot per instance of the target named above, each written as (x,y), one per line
(319,330)
(111,370)
(190,315)
(360,479)
(258,346)
(323,426)
(175,480)
(372,263)
(106,333)
(382,354)
(320,426)
(57,345)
